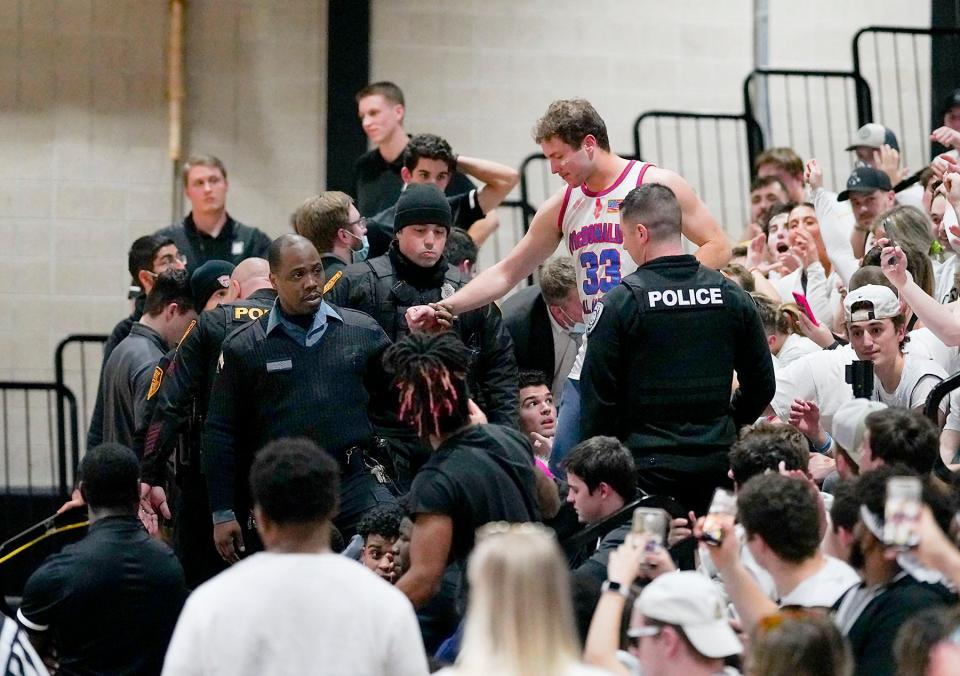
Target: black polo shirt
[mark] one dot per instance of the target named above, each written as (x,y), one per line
(109,602)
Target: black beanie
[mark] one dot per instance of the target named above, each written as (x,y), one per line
(208,279)
(422,204)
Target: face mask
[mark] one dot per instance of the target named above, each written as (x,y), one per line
(578,328)
(360,255)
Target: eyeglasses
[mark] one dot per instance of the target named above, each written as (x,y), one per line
(362,222)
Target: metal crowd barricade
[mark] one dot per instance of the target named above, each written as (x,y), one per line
(805,105)
(81,376)
(40,450)
(931,409)
(712,151)
(897,63)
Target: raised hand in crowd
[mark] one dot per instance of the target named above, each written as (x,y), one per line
(819,334)
(813,175)
(756,256)
(681,529)
(947,137)
(942,164)
(888,161)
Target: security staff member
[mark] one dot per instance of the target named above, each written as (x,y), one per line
(178,405)
(305,369)
(415,272)
(662,351)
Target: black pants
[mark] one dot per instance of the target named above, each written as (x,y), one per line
(193,530)
(691,487)
(359,493)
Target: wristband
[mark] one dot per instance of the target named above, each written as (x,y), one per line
(826,445)
(616,587)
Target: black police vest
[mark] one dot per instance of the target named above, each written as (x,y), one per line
(682,344)
(393,296)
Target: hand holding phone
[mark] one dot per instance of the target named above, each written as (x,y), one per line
(805,306)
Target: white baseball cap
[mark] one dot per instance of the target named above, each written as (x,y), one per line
(849,424)
(689,600)
(873,135)
(883,303)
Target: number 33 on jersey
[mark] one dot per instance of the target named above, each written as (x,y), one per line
(590,225)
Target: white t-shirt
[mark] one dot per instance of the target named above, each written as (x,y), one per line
(944,273)
(296,614)
(924,344)
(794,347)
(572,670)
(824,588)
(820,377)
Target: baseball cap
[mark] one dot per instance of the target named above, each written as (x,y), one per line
(422,204)
(849,424)
(873,135)
(883,303)
(207,279)
(951,101)
(865,179)
(692,602)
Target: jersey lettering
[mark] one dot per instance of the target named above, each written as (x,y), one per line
(684,297)
(601,272)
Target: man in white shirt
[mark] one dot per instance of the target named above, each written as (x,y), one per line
(296,608)
(783,524)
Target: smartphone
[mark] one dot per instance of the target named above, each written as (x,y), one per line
(723,511)
(653,523)
(805,306)
(901,512)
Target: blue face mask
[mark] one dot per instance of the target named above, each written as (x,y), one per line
(577,328)
(360,255)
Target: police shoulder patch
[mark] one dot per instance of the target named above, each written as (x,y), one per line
(155,381)
(186,333)
(597,311)
(332,282)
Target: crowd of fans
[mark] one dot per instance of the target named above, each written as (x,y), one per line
(535,486)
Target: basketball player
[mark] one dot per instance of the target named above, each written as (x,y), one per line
(585,216)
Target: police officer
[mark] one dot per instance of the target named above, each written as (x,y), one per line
(178,406)
(305,369)
(662,351)
(414,271)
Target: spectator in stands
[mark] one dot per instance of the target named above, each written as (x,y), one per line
(429,159)
(380,529)
(921,643)
(600,475)
(782,519)
(461,252)
(893,588)
(849,435)
(782,326)
(334,226)
(107,604)
(798,643)
(876,146)
(546,322)
(899,436)
(785,165)
(476,474)
(129,376)
(764,193)
(148,257)
(679,624)
(208,231)
(538,414)
(520,619)
(870,194)
(211,285)
(296,608)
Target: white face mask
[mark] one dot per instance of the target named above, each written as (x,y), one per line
(576,328)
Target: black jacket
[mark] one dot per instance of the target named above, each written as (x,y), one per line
(383,289)
(236,242)
(526,317)
(661,352)
(182,395)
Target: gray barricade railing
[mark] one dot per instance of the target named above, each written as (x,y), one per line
(805,105)
(712,151)
(84,378)
(931,409)
(40,449)
(897,64)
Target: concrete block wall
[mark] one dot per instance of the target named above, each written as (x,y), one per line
(84,165)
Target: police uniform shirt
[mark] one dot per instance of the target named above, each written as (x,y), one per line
(109,602)
(279,380)
(662,350)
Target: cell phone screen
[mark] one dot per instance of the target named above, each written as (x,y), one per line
(805,306)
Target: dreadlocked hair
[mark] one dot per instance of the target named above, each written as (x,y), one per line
(430,374)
